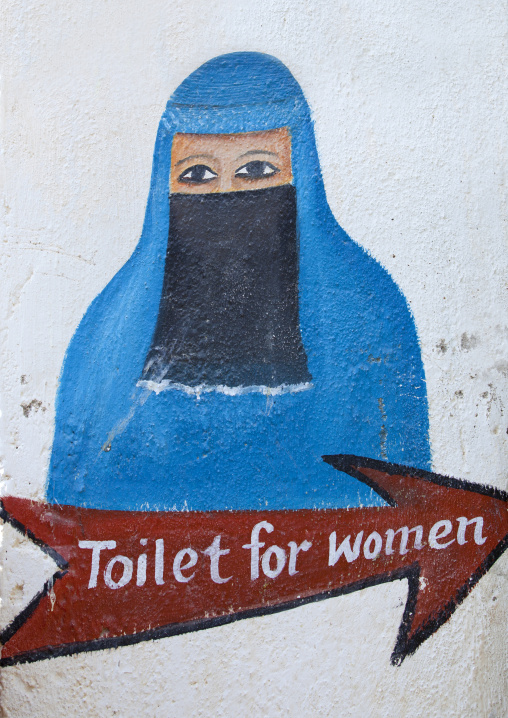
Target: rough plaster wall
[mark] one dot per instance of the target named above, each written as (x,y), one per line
(410,105)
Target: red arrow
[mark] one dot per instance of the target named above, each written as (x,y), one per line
(125,577)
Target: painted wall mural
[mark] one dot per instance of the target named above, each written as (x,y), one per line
(242,420)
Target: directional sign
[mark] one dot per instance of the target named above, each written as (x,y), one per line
(125,577)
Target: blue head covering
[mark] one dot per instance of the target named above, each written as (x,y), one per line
(120,445)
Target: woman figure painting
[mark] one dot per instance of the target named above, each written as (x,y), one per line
(247,335)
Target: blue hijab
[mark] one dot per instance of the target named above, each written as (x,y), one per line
(120,445)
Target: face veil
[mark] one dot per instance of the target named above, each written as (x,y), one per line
(229,307)
(261,289)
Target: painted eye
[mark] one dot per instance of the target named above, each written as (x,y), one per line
(197,174)
(257,169)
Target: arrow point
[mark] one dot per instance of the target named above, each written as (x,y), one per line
(432,602)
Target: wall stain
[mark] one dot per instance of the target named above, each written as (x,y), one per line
(32,406)
(468,343)
(382,432)
(502,368)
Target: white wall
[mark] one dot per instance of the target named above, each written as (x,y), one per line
(409,101)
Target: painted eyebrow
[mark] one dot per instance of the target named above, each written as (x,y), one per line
(257,152)
(194,157)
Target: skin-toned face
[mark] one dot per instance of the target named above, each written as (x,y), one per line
(203,164)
